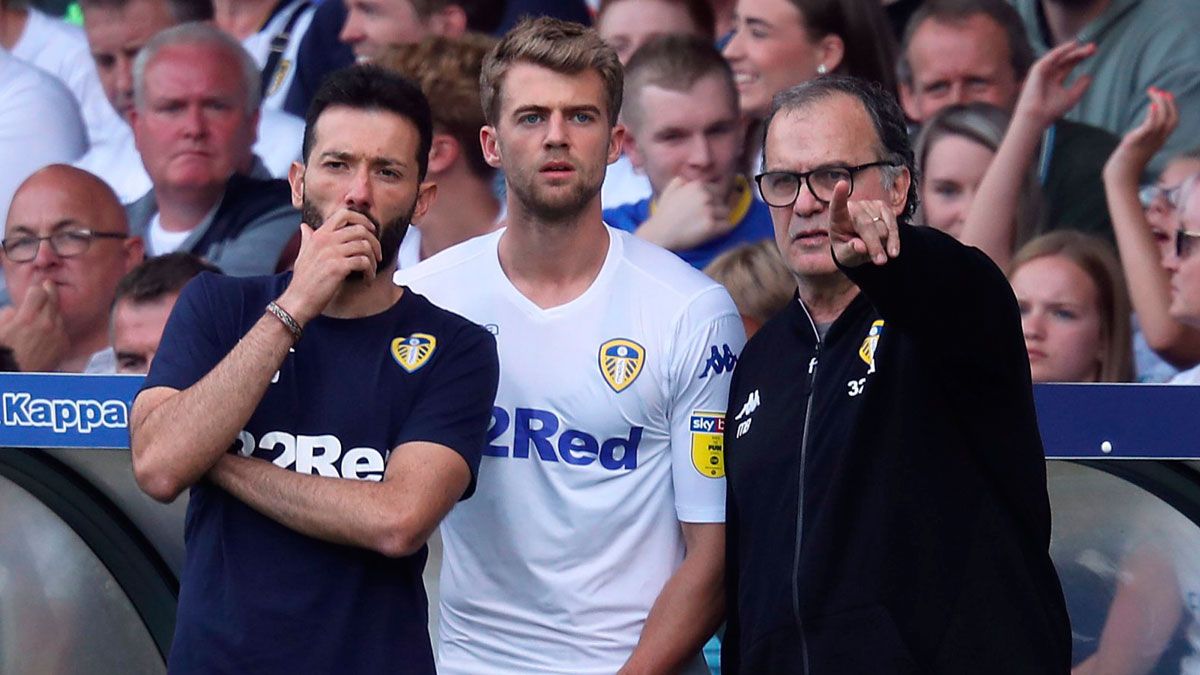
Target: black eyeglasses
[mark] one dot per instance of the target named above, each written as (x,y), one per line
(781,188)
(65,243)
(1183,242)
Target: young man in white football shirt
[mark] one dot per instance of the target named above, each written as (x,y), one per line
(595,541)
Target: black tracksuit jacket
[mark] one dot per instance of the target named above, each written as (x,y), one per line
(887,511)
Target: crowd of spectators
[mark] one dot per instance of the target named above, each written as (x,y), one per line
(190,111)
(1061,137)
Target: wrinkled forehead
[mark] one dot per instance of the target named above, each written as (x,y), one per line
(833,129)
(958,47)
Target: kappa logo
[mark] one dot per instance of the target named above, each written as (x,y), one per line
(413,351)
(743,417)
(21,409)
(621,362)
(719,361)
(867,351)
(751,404)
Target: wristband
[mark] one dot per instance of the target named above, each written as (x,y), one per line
(287,320)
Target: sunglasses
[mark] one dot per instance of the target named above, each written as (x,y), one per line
(1184,242)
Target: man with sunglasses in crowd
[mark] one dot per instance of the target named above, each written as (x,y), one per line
(886,508)
(66,245)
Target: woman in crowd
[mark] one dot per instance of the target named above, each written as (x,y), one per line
(1140,229)
(777,44)
(1074,309)
(953,151)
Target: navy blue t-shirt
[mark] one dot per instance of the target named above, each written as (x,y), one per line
(257,596)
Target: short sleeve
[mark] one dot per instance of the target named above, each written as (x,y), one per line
(190,346)
(711,339)
(455,407)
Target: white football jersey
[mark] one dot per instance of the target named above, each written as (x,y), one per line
(606,434)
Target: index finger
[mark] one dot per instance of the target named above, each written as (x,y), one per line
(344,217)
(33,302)
(839,214)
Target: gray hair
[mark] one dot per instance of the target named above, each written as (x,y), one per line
(197,33)
(891,132)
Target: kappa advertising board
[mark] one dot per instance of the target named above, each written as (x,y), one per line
(1093,421)
(40,410)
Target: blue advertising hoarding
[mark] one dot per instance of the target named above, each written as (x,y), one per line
(1118,421)
(1078,421)
(49,410)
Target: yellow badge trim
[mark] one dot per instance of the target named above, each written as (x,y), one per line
(867,351)
(741,197)
(708,443)
(621,362)
(413,351)
(281,73)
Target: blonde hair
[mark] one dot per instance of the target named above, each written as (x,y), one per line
(1098,261)
(756,278)
(561,46)
(983,124)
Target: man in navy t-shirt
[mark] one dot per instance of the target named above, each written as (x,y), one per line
(267,393)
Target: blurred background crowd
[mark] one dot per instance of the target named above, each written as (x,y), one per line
(149,139)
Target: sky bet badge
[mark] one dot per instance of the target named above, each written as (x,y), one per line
(867,351)
(708,443)
(620,362)
(412,352)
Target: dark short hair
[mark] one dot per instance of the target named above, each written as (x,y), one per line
(561,46)
(1020,52)
(371,88)
(156,278)
(676,63)
(890,129)
(700,12)
(183,11)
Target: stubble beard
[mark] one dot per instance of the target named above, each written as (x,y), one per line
(555,208)
(390,235)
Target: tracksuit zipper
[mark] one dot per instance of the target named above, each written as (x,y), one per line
(812,377)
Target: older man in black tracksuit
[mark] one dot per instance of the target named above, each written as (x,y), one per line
(887,508)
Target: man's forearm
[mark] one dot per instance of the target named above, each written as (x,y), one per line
(687,611)
(394,516)
(332,509)
(178,439)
